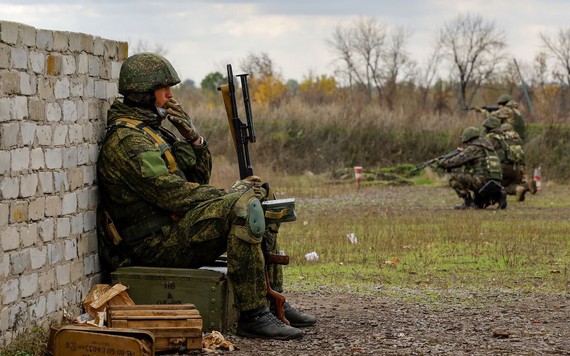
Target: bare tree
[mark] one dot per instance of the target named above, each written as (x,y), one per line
(475,48)
(427,73)
(259,65)
(559,48)
(397,64)
(360,49)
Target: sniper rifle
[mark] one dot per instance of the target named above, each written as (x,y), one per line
(243,134)
(437,159)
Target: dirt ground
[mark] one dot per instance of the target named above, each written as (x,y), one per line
(400,323)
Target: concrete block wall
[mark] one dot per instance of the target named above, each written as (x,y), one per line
(55,89)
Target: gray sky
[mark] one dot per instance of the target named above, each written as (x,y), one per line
(202,36)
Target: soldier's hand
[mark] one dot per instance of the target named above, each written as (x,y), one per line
(481,110)
(180,119)
(259,190)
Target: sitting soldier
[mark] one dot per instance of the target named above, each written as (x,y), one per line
(154,188)
(473,170)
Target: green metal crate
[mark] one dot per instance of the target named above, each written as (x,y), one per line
(207,288)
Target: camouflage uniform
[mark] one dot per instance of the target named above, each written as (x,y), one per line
(510,113)
(477,162)
(169,216)
(517,159)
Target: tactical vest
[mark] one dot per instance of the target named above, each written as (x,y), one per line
(500,145)
(489,166)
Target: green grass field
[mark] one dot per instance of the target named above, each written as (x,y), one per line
(411,236)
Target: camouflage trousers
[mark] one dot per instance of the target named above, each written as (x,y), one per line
(465,183)
(200,237)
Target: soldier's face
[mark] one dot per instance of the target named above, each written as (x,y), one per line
(162,96)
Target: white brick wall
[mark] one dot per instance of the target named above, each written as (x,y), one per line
(56,86)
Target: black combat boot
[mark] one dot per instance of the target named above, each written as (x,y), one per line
(503,199)
(468,203)
(261,324)
(295,318)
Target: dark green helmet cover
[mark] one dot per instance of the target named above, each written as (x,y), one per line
(146,72)
(469,134)
(503,99)
(492,123)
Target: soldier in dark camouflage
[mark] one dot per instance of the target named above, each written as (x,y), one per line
(164,213)
(472,168)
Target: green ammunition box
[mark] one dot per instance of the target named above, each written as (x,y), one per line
(207,288)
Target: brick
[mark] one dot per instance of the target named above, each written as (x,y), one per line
(38,160)
(89,220)
(36,109)
(21,262)
(20,109)
(29,235)
(69,110)
(90,92)
(19,58)
(5,108)
(9,32)
(60,41)
(82,199)
(115,70)
(44,39)
(70,249)
(38,62)
(54,63)
(46,229)
(5,56)
(77,87)
(63,274)
(4,325)
(51,302)
(46,282)
(37,208)
(60,135)
(28,284)
(45,89)
(9,82)
(19,211)
(9,187)
(28,185)
(63,228)
(4,162)
(44,135)
(94,66)
(27,84)
(77,224)
(93,198)
(69,204)
(68,65)
(98,46)
(38,308)
(70,295)
(27,35)
(53,206)
(60,182)
(54,253)
(4,266)
(89,264)
(54,158)
(77,272)
(9,291)
(70,157)
(38,257)
(61,88)
(9,238)
(28,131)
(4,212)
(46,182)
(100,89)
(75,177)
(20,159)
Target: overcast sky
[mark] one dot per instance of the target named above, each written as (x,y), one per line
(202,36)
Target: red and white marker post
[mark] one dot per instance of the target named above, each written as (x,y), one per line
(357,175)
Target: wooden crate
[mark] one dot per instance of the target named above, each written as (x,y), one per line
(175,327)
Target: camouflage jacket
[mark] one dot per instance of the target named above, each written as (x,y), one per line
(133,174)
(498,139)
(511,114)
(478,157)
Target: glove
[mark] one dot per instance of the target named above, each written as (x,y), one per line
(253,182)
(180,119)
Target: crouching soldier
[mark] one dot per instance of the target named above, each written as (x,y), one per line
(476,172)
(154,187)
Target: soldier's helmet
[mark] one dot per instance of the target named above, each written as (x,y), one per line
(503,99)
(146,72)
(492,123)
(469,134)
(507,127)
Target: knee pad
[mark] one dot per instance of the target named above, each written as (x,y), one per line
(249,209)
